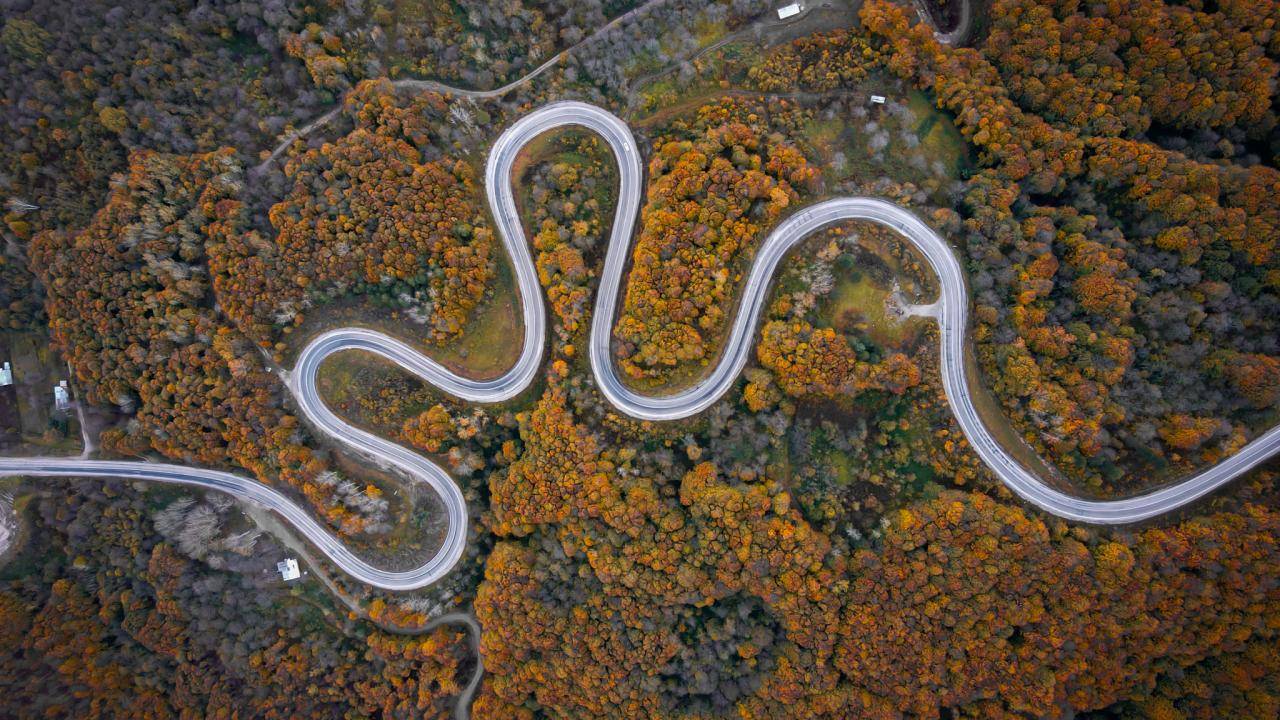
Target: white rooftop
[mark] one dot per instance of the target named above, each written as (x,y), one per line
(789,11)
(6,375)
(288,569)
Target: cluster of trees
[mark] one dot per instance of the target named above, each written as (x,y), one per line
(819,363)
(1117,279)
(130,306)
(969,601)
(567,203)
(478,45)
(658,36)
(472,43)
(848,471)
(818,63)
(19,294)
(687,555)
(92,80)
(381,211)
(112,621)
(556,473)
(617,593)
(716,184)
(1236,684)
(1117,69)
(430,429)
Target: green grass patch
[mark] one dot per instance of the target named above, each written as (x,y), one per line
(490,343)
(939,137)
(841,466)
(862,296)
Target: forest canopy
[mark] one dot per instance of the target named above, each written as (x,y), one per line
(193,189)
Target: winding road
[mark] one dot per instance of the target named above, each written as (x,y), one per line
(950,311)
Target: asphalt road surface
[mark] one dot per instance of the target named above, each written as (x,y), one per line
(951,313)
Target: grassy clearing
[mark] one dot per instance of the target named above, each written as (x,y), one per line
(490,344)
(841,466)
(648,63)
(838,145)
(866,298)
(487,347)
(337,380)
(866,277)
(906,140)
(36,370)
(662,93)
(939,137)
(377,395)
(371,392)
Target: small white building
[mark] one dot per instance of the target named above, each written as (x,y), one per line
(789,11)
(877,99)
(288,569)
(6,375)
(61,397)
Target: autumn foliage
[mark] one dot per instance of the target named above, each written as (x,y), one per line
(1115,71)
(711,196)
(818,363)
(821,542)
(618,595)
(134,628)
(129,301)
(379,211)
(568,199)
(1113,273)
(819,62)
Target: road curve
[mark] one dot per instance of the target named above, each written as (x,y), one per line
(950,311)
(462,707)
(243,489)
(958,35)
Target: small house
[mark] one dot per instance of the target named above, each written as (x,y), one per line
(288,569)
(61,397)
(789,11)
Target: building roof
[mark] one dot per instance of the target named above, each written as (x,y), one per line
(788,11)
(61,398)
(288,569)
